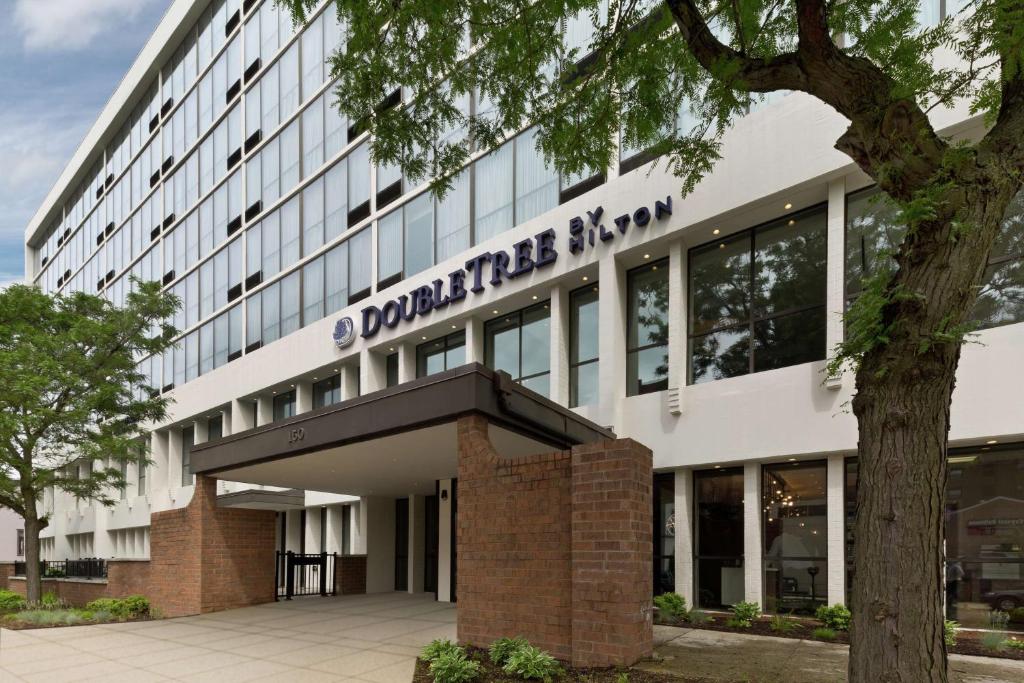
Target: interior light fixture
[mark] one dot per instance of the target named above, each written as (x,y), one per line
(992,441)
(455,327)
(647,256)
(495,311)
(788,206)
(585,278)
(534,297)
(715,231)
(423,338)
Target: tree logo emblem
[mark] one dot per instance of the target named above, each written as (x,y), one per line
(344,332)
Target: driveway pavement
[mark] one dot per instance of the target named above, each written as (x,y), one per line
(366,638)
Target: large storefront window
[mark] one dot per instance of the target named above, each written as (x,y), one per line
(757,298)
(664,533)
(647,334)
(795,536)
(718,498)
(327,391)
(520,344)
(441,354)
(873,236)
(583,347)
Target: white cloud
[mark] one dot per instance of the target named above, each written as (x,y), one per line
(68,25)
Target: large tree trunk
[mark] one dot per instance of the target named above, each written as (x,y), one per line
(33,579)
(904,389)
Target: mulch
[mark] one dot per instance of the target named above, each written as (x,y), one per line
(968,642)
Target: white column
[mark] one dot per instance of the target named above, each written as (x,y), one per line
(559,345)
(201,431)
(333,535)
(293,530)
(372,372)
(752,581)
(174,443)
(444,542)
(379,516)
(303,396)
(835,271)
(475,341)
(226,425)
(359,528)
(836,529)
(349,383)
(417,542)
(406,362)
(312,530)
(677,360)
(264,410)
(242,415)
(684,534)
(612,344)
(156,474)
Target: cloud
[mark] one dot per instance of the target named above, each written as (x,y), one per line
(69,25)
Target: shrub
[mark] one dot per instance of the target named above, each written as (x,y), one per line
(824,633)
(950,629)
(502,649)
(671,606)
(452,666)
(744,613)
(993,641)
(837,617)
(1014,643)
(11,601)
(436,649)
(782,624)
(133,606)
(49,617)
(698,617)
(49,600)
(532,662)
(1017,615)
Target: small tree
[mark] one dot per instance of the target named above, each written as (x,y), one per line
(72,393)
(672,75)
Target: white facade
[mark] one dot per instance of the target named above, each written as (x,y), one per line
(777,160)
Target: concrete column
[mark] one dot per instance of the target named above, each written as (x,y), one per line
(559,345)
(201,430)
(225,420)
(156,475)
(303,396)
(752,570)
(372,372)
(264,410)
(475,341)
(293,530)
(174,443)
(359,528)
(684,534)
(312,530)
(444,541)
(612,345)
(836,508)
(677,358)
(379,517)
(334,530)
(406,362)
(349,382)
(242,415)
(417,542)
(835,271)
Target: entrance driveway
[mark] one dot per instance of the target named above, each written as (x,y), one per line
(367,638)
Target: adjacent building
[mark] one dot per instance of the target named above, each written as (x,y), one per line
(699,327)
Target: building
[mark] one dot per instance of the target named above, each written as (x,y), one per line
(698,327)
(12,536)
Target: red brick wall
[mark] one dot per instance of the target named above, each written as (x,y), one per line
(350,574)
(556,548)
(6,570)
(124,577)
(205,558)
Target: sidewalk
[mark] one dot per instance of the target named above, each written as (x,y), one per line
(720,656)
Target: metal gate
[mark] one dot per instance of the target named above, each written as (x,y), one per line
(305,574)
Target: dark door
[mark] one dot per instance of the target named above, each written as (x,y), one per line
(431,511)
(402,544)
(455,527)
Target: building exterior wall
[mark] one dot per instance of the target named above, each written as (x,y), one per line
(12,529)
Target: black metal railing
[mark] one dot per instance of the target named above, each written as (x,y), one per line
(305,574)
(86,568)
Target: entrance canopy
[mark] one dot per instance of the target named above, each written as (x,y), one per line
(396,441)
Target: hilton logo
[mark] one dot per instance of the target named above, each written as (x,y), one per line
(344,332)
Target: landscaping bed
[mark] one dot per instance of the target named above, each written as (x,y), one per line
(51,612)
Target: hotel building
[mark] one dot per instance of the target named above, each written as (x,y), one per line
(699,326)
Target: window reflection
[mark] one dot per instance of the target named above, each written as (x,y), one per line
(584,336)
(664,533)
(519,343)
(647,332)
(441,354)
(718,498)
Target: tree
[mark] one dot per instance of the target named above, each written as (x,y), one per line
(672,75)
(73,395)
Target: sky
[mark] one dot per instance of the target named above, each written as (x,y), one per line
(60,61)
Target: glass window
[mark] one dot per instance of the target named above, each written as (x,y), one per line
(584,335)
(253,319)
(664,533)
(536,184)
(215,428)
(336,279)
(441,354)
(795,536)
(519,343)
(313,291)
(290,233)
(313,56)
(389,247)
(290,157)
(419,234)
(312,138)
(271,314)
(757,298)
(493,194)
(718,501)
(284,406)
(290,311)
(313,217)
(327,391)
(271,242)
(647,333)
(335,201)
(872,237)
(391,370)
(1001,298)
(359,263)
(289,69)
(188,440)
(359,176)
(452,229)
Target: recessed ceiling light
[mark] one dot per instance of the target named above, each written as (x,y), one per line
(788,205)
(992,441)
(585,278)
(495,311)
(455,327)
(292,385)
(792,459)
(792,222)
(314,377)
(722,245)
(423,338)
(647,256)
(391,348)
(534,297)
(718,467)
(337,370)
(715,231)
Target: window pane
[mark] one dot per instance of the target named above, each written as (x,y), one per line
(648,306)
(271,313)
(721,354)
(253,319)
(419,234)
(536,343)
(536,183)
(359,176)
(389,245)
(290,233)
(313,291)
(493,193)
(789,264)
(453,219)
(1001,298)
(312,138)
(719,281)
(290,157)
(584,384)
(313,217)
(336,278)
(290,304)
(336,201)
(872,236)
(789,339)
(271,239)
(719,530)
(359,262)
(584,325)
(502,345)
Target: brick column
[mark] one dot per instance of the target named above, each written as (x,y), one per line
(612,553)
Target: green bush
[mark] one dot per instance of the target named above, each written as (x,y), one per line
(743,614)
(532,663)
(1013,643)
(50,617)
(698,617)
(824,633)
(502,649)
(671,606)
(133,606)
(837,617)
(782,624)
(11,601)
(950,629)
(452,666)
(50,601)
(437,648)
(993,641)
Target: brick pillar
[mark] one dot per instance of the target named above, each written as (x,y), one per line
(611,553)
(350,575)
(6,571)
(204,558)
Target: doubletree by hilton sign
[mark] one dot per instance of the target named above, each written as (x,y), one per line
(491,268)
